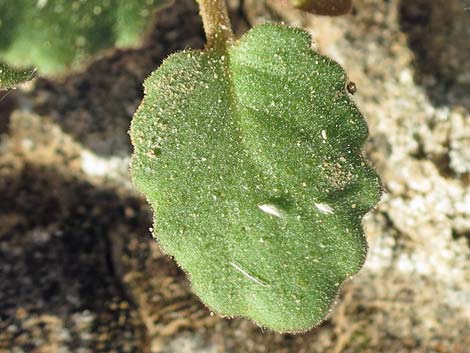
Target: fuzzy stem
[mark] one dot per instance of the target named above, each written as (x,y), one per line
(216,23)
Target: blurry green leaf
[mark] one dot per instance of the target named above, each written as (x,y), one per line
(9,77)
(55,35)
(324,7)
(251,160)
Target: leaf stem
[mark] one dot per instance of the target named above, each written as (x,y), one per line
(216,23)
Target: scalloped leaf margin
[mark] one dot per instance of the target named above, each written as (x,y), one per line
(251,160)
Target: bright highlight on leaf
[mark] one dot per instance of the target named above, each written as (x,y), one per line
(324,7)
(9,77)
(251,160)
(54,35)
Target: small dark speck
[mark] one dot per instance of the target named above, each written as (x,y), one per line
(351,87)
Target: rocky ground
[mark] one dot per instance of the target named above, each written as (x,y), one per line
(79,271)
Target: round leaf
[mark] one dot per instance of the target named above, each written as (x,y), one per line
(251,160)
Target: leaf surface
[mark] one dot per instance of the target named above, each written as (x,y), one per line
(54,35)
(9,77)
(251,160)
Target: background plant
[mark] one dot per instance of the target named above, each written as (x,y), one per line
(57,35)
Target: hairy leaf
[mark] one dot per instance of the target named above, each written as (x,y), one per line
(54,35)
(324,7)
(251,160)
(9,77)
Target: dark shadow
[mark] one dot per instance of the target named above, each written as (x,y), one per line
(8,104)
(96,106)
(57,281)
(439,35)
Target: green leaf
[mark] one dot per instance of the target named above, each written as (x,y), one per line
(9,77)
(251,160)
(55,35)
(324,7)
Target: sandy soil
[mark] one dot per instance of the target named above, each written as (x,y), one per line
(79,271)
